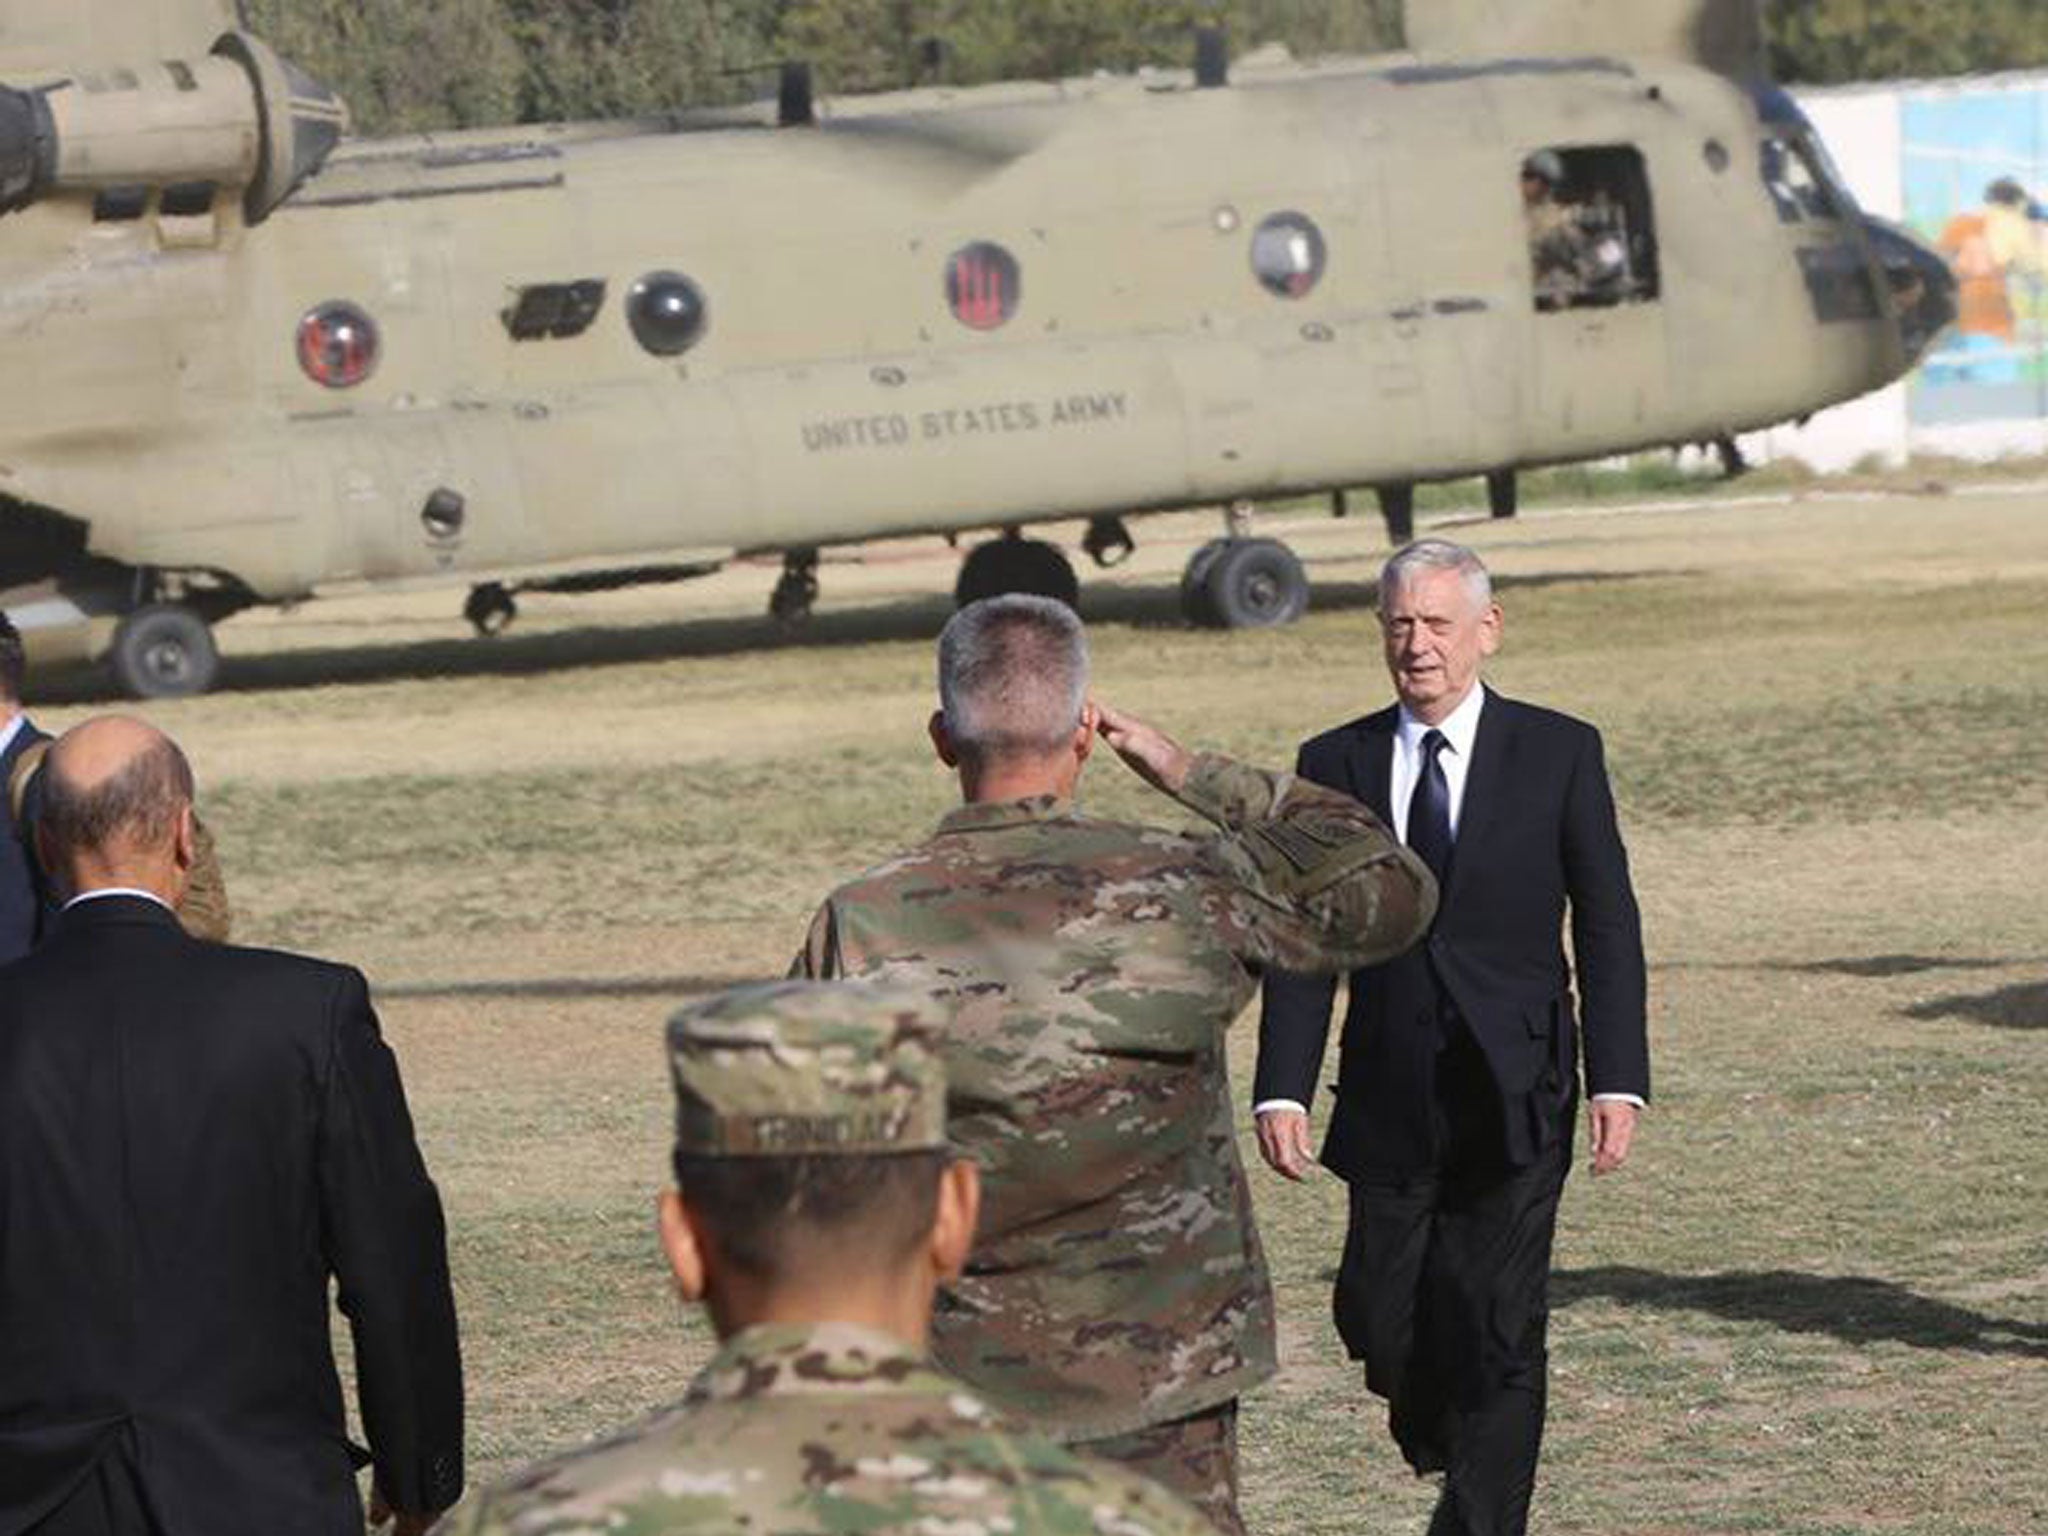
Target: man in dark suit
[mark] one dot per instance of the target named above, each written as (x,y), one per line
(21,893)
(1458,1087)
(193,1138)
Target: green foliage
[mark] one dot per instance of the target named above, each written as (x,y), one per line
(875,42)
(399,65)
(1838,41)
(461,62)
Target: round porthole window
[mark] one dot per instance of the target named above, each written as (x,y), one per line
(1288,254)
(983,285)
(337,344)
(667,313)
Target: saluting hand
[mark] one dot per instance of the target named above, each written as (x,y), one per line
(1150,753)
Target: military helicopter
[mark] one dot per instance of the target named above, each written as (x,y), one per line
(248,360)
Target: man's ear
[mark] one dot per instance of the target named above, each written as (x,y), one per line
(1084,733)
(185,839)
(682,1241)
(942,739)
(1490,628)
(47,855)
(958,1209)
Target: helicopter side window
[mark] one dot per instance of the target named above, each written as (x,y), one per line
(1592,234)
(983,285)
(1288,254)
(1798,186)
(667,313)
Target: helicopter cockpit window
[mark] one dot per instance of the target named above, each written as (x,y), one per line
(1288,254)
(1797,182)
(667,313)
(983,285)
(1592,233)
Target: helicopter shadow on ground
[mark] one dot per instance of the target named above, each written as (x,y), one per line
(563,988)
(2023,1005)
(1855,1309)
(1151,605)
(1879,967)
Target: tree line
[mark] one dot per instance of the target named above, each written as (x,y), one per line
(406,66)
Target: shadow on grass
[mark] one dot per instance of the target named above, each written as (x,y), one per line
(566,987)
(2024,1005)
(1879,966)
(1852,1308)
(1152,606)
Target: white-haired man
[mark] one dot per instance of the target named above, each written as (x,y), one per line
(1457,1093)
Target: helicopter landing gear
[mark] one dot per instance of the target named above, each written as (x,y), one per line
(1397,507)
(164,651)
(1502,495)
(796,590)
(1108,542)
(1016,564)
(1239,583)
(490,608)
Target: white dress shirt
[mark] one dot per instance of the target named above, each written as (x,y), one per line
(118,890)
(12,729)
(1460,728)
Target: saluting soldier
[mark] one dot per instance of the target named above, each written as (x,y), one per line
(1117,1293)
(816,1208)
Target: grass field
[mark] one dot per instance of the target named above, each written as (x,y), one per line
(1817,1302)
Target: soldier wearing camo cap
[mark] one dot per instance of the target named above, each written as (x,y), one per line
(816,1208)
(1117,1294)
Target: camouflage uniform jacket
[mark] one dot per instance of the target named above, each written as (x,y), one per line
(823,1430)
(1117,1279)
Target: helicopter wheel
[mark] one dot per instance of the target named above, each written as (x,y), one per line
(164,651)
(1013,564)
(1195,606)
(490,608)
(1247,584)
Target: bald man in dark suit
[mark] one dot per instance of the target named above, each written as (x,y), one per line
(193,1139)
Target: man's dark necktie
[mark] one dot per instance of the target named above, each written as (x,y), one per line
(1429,809)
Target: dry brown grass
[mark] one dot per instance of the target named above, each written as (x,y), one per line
(1818,1303)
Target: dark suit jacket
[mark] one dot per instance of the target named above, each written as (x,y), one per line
(193,1138)
(1536,833)
(21,887)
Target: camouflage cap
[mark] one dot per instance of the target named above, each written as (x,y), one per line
(789,1068)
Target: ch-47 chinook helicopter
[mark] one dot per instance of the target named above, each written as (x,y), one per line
(243,361)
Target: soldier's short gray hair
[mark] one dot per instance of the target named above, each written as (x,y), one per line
(1436,555)
(1013,676)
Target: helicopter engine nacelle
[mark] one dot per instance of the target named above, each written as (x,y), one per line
(240,117)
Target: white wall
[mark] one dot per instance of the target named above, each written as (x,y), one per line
(1863,129)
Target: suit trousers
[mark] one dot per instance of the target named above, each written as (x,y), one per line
(108,1501)
(1443,1293)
